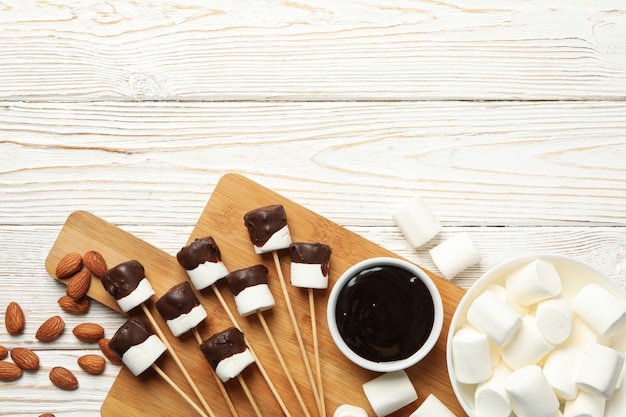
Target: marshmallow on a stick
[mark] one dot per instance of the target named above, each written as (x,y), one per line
(389,392)
(136,344)
(530,393)
(251,290)
(203,261)
(536,281)
(601,310)
(227,353)
(455,255)
(128,284)
(310,265)
(268,229)
(181,309)
(417,222)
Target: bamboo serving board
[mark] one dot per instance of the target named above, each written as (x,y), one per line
(222,218)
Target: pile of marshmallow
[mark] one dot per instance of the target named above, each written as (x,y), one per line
(528,348)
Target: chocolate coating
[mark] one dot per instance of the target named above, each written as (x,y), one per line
(223,345)
(198,252)
(263,222)
(178,300)
(122,279)
(133,332)
(243,278)
(311,253)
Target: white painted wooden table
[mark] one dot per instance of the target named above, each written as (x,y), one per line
(508,117)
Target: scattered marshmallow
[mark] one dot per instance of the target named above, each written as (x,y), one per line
(417,222)
(602,311)
(585,405)
(555,319)
(347,410)
(432,407)
(531,393)
(534,282)
(455,255)
(527,347)
(490,398)
(600,371)
(470,356)
(389,392)
(560,369)
(494,317)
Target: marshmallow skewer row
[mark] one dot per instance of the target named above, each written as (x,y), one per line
(269,232)
(138,347)
(202,259)
(128,284)
(182,311)
(252,295)
(310,263)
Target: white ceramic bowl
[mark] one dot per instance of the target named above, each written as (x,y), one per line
(574,276)
(385,365)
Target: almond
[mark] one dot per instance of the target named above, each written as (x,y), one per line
(69,265)
(50,329)
(4,352)
(95,263)
(46,415)
(25,358)
(112,357)
(63,378)
(14,318)
(92,364)
(88,332)
(78,285)
(80,306)
(9,371)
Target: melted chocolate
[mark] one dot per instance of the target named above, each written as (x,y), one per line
(198,252)
(223,345)
(262,223)
(180,299)
(385,313)
(133,332)
(311,253)
(243,278)
(122,279)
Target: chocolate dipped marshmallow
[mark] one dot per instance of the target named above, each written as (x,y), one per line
(227,353)
(202,260)
(128,284)
(136,344)
(181,309)
(268,229)
(251,290)
(310,264)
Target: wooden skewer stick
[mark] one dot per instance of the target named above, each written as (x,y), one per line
(178,390)
(157,329)
(296,329)
(246,390)
(220,384)
(294,387)
(316,352)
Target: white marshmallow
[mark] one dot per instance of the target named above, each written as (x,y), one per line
(583,336)
(494,317)
(187,321)
(530,393)
(585,405)
(560,369)
(602,311)
(417,222)
(527,347)
(281,239)
(389,392)
(490,398)
(470,356)
(347,410)
(308,276)
(139,295)
(455,255)
(555,319)
(140,357)
(432,407)
(600,370)
(207,274)
(232,366)
(502,294)
(534,282)
(254,298)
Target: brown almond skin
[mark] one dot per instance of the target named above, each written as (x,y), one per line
(63,378)
(92,364)
(46,415)
(9,371)
(4,352)
(112,357)
(50,329)
(70,305)
(88,332)
(14,319)
(69,265)
(78,285)
(95,263)
(25,358)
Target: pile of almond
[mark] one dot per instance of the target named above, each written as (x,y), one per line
(78,270)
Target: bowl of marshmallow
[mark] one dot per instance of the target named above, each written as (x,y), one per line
(540,336)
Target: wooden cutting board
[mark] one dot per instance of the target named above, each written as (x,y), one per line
(222,218)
